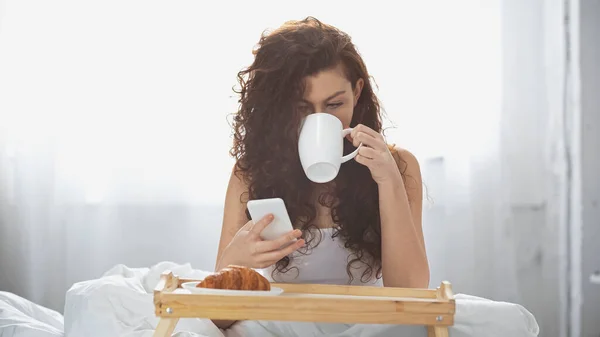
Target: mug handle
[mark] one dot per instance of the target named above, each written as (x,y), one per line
(353,154)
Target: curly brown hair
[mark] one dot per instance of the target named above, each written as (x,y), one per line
(266,129)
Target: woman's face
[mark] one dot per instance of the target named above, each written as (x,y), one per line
(330,91)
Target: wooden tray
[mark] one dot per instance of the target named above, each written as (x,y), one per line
(433,308)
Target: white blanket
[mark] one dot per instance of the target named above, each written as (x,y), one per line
(22,318)
(120,303)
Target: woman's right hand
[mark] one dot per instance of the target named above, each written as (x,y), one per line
(248,249)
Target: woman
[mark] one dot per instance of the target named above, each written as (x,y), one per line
(362,228)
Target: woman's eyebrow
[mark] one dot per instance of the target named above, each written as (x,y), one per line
(328,98)
(335,94)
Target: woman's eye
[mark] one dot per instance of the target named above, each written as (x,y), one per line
(334,105)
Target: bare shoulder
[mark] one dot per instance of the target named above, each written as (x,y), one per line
(409,166)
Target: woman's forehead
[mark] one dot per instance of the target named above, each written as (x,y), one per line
(323,85)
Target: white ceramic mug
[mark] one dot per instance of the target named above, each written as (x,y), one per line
(321,146)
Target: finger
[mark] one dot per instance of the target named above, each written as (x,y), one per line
(267,246)
(363,160)
(367,130)
(247,226)
(261,224)
(368,152)
(277,255)
(367,140)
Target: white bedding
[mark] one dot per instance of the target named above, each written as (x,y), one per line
(22,318)
(120,304)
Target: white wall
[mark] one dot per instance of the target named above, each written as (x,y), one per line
(532,99)
(589,65)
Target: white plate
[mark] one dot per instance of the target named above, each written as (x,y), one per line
(191,286)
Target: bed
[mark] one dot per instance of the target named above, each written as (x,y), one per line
(121,302)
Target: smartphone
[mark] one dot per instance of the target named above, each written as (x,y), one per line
(281,223)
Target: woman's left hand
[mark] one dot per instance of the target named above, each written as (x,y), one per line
(375,154)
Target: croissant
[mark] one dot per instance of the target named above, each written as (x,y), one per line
(236,278)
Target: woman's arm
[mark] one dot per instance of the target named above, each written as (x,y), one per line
(234,213)
(404,259)
(234,218)
(240,241)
